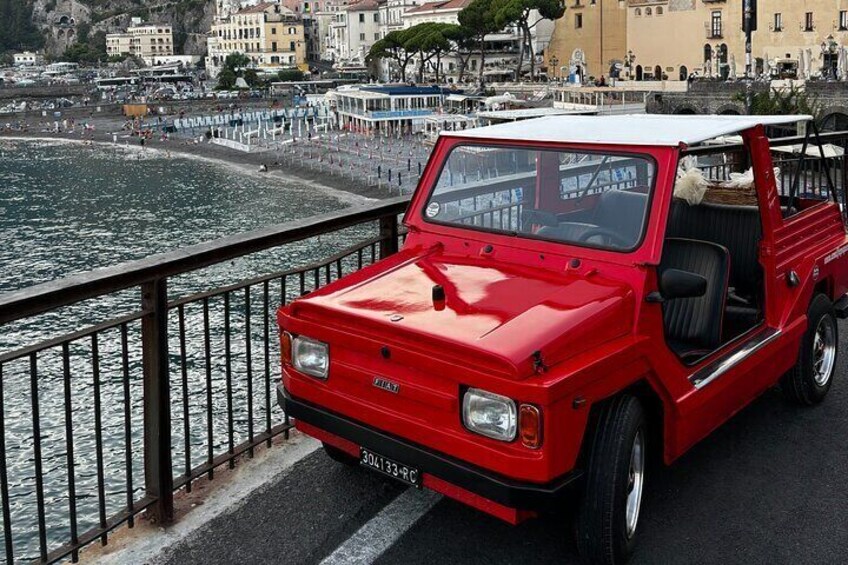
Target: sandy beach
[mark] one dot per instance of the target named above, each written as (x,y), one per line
(346,190)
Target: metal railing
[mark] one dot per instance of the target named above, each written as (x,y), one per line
(149,402)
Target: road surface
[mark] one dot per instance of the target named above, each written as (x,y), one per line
(770,486)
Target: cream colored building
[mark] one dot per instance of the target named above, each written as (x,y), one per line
(271,35)
(589,38)
(705,37)
(145,41)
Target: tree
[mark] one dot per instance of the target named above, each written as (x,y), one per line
(17,31)
(463,43)
(226,79)
(235,65)
(478,20)
(392,47)
(289,75)
(519,13)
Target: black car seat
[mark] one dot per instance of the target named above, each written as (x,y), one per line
(693,326)
(738,228)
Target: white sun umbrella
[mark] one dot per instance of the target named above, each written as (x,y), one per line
(732,74)
(801,70)
(841,67)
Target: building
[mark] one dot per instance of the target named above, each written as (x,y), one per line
(708,39)
(269,34)
(28,59)
(354,29)
(589,39)
(388,109)
(142,40)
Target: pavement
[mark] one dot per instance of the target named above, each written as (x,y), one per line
(767,487)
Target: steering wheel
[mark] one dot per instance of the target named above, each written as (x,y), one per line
(610,237)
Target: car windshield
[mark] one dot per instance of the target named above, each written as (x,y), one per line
(592,199)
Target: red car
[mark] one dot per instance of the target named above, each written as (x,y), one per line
(575,295)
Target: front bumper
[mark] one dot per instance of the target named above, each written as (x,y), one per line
(502,490)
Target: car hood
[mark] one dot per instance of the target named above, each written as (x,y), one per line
(500,311)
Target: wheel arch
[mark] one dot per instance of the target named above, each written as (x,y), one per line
(655,412)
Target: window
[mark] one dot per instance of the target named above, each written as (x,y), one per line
(648,11)
(778,22)
(274,46)
(809,24)
(843,20)
(638,11)
(362,18)
(376,37)
(273,31)
(659,10)
(578,21)
(715,24)
(376,18)
(361,37)
(576,197)
(291,45)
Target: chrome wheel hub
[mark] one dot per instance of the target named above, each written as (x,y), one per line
(635,483)
(824,351)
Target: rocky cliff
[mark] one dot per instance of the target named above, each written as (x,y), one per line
(62,20)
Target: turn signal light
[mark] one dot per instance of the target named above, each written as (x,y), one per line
(530,426)
(286,347)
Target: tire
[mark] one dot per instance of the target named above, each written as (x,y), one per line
(808,382)
(340,456)
(608,516)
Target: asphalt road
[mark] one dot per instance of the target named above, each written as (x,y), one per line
(770,486)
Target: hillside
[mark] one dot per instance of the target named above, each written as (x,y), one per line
(58,24)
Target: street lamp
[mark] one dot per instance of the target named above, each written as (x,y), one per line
(554,61)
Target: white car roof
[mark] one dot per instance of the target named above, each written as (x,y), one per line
(632,129)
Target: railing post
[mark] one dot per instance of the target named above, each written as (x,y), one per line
(388,235)
(158,472)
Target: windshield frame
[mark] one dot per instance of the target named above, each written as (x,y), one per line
(558,148)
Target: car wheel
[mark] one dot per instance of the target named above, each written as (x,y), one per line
(808,382)
(339,456)
(608,517)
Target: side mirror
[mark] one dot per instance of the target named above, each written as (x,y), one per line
(675,283)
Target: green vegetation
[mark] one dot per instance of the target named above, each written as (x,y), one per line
(478,19)
(429,42)
(89,48)
(784,102)
(237,65)
(518,12)
(289,75)
(16,29)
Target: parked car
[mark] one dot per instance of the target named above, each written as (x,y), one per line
(563,309)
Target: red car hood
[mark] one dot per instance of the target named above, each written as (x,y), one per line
(503,312)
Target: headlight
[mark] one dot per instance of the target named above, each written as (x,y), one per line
(310,356)
(489,414)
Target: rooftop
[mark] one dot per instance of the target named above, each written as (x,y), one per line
(362,6)
(261,7)
(439,6)
(652,129)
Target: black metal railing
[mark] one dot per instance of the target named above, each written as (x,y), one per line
(126,412)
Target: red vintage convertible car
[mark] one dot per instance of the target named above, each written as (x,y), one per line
(575,295)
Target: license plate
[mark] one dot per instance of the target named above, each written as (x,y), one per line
(389,467)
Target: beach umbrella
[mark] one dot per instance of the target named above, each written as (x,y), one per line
(801,64)
(842,63)
(732,74)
